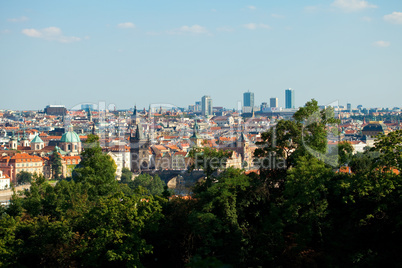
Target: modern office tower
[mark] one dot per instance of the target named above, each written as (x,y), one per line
(349,107)
(273,102)
(289,98)
(198,106)
(248,99)
(264,105)
(206,105)
(191,108)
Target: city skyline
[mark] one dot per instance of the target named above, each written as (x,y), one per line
(131,52)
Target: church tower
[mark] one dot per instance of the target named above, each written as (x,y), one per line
(13,143)
(89,115)
(135,118)
(139,149)
(25,140)
(195,139)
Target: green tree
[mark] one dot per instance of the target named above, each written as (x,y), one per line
(362,162)
(345,153)
(390,149)
(126,175)
(305,198)
(210,160)
(96,168)
(314,124)
(24,177)
(56,164)
(114,229)
(153,184)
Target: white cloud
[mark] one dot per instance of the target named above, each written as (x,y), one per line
(225,29)
(195,29)
(32,32)
(352,5)
(250,26)
(252,7)
(20,19)
(5,31)
(395,17)
(51,34)
(381,44)
(254,26)
(126,25)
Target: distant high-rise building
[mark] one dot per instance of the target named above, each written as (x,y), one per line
(248,99)
(56,110)
(206,105)
(198,106)
(273,102)
(349,107)
(87,106)
(289,98)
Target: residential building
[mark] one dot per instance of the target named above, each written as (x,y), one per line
(5,181)
(12,165)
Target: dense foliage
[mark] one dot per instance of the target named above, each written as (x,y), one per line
(24,177)
(56,164)
(303,214)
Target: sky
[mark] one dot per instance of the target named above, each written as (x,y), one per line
(127,53)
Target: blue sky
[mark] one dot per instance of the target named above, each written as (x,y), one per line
(147,52)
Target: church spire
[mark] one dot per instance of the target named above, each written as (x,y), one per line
(195,130)
(139,134)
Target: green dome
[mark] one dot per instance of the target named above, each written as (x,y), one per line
(70,136)
(37,139)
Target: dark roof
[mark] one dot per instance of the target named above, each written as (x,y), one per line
(375,127)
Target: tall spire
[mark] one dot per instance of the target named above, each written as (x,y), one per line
(195,130)
(89,114)
(139,134)
(14,137)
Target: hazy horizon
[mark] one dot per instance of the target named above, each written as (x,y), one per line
(130,52)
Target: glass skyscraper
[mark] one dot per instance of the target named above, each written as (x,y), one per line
(248,99)
(273,102)
(206,105)
(289,98)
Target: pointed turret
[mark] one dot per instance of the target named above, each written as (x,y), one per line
(195,130)
(13,143)
(89,115)
(139,134)
(139,151)
(25,140)
(195,139)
